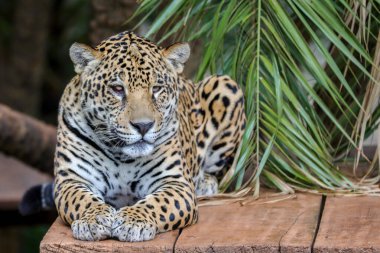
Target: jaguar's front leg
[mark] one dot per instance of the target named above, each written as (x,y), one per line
(90,217)
(172,206)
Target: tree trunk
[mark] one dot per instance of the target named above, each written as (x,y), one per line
(109,18)
(27,139)
(23,72)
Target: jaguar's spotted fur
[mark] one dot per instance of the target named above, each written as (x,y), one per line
(137,142)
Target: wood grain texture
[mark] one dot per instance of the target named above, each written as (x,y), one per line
(347,225)
(350,224)
(285,226)
(16,178)
(59,239)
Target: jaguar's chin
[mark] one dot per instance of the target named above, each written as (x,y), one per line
(138,149)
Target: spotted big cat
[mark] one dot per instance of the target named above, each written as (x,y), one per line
(138,142)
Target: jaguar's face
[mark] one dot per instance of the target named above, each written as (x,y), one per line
(129,92)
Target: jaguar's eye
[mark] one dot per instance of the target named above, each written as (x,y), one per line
(118,89)
(157,89)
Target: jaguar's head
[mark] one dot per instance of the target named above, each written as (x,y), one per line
(129,91)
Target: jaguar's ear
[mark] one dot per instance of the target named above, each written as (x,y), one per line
(177,54)
(84,57)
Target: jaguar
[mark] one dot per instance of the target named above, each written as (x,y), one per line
(137,142)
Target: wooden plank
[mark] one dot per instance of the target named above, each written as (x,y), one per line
(59,239)
(285,226)
(16,178)
(349,224)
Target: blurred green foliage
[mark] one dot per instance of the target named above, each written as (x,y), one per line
(31,238)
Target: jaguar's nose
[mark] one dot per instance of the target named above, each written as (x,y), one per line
(142,126)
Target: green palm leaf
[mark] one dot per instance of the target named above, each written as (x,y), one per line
(310,74)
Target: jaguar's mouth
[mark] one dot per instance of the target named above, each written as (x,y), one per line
(119,141)
(138,149)
(140,143)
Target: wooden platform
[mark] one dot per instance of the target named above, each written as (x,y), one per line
(16,178)
(347,224)
(259,227)
(350,225)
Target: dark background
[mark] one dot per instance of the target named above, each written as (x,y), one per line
(35,67)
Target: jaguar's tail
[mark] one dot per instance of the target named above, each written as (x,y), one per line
(37,198)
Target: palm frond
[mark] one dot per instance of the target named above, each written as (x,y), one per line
(310,75)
